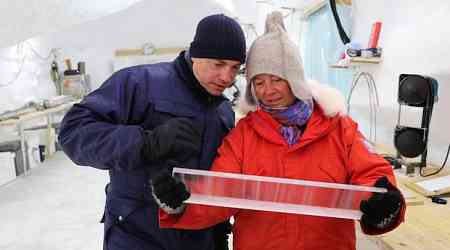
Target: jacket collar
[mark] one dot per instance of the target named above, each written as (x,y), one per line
(318,126)
(183,67)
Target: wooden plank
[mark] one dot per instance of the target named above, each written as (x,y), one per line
(313,8)
(344,2)
(140,52)
(411,198)
(129,52)
(365,60)
(354,61)
(9,122)
(319,4)
(415,185)
(163,51)
(35,114)
(414,201)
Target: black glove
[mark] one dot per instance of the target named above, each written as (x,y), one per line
(381,210)
(221,232)
(175,140)
(168,192)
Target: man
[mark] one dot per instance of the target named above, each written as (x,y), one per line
(150,118)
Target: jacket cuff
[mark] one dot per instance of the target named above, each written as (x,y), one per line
(167,220)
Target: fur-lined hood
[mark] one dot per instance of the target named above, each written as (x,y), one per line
(328,98)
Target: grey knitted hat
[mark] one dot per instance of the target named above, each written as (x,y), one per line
(274,53)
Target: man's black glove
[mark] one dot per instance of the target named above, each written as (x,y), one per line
(381,210)
(169,192)
(221,233)
(175,140)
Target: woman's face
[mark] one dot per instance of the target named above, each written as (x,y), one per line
(273,91)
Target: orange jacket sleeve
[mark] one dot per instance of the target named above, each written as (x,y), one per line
(366,166)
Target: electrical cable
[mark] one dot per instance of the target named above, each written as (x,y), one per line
(437,171)
(20,49)
(341,30)
(426,139)
(21,66)
(52,51)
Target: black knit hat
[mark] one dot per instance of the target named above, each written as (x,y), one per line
(219,37)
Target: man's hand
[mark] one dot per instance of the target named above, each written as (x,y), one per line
(169,193)
(175,140)
(381,210)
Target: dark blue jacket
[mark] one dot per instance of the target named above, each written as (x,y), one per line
(106,131)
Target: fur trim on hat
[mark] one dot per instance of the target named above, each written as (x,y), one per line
(328,98)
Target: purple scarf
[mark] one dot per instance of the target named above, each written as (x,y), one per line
(291,119)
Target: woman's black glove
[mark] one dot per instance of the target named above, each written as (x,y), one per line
(381,210)
(176,140)
(168,192)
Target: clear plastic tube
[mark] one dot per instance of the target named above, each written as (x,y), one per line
(274,194)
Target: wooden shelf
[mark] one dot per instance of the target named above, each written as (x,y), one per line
(37,113)
(141,51)
(365,59)
(358,61)
(313,8)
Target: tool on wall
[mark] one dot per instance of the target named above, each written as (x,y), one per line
(55,76)
(75,81)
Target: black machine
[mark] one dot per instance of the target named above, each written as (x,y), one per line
(417,91)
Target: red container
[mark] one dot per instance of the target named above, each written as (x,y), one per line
(374,35)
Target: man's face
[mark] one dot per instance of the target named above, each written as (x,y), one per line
(215,75)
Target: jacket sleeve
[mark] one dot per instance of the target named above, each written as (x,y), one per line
(98,131)
(366,166)
(229,159)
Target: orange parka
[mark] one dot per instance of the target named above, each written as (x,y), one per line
(331,149)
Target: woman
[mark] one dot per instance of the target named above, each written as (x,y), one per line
(297,131)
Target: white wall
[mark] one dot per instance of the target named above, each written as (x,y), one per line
(415,40)
(164,23)
(22,19)
(413,37)
(168,23)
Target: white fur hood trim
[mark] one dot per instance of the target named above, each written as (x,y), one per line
(328,98)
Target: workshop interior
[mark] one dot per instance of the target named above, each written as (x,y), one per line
(389,60)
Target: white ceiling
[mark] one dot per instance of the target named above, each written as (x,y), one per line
(22,19)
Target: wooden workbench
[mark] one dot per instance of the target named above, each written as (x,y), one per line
(23,118)
(427,224)
(426,227)
(36,114)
